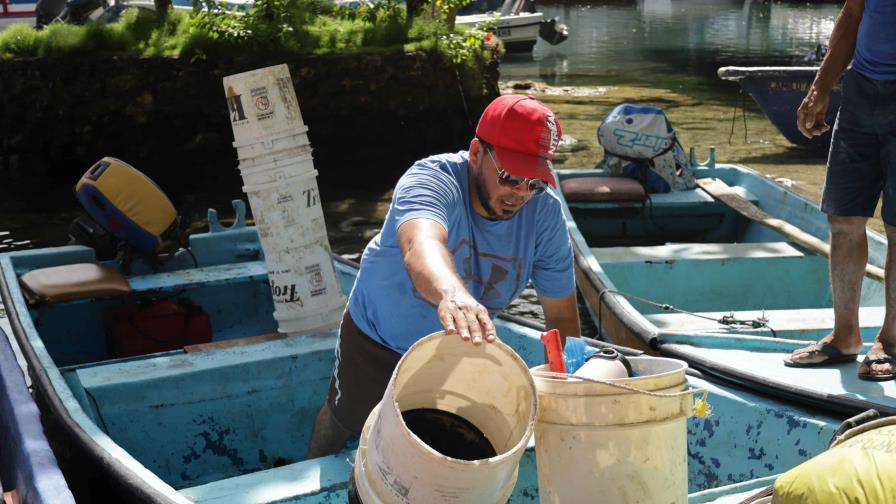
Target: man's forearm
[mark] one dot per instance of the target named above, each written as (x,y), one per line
(432,270)
(841,47)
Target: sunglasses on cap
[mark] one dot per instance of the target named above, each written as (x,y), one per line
(535,186)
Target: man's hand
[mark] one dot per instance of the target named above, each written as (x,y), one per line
(810,117)
(460,313)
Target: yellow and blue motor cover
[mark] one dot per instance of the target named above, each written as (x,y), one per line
(127,203)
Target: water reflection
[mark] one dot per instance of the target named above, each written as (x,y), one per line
(652,39)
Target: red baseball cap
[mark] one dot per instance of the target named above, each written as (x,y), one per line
(524,133)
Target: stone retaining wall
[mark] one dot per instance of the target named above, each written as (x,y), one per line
(370,116)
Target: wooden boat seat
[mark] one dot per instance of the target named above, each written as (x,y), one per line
(689,198)
(72,282)
(806,320)
(683,251)
(602,189)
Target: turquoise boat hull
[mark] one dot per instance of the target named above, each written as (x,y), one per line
(231,424)
(710,264)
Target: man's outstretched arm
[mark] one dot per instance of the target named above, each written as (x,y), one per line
(428,262)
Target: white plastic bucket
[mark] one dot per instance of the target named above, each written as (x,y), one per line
(598,443)
(488,385)
(262,104)
(277,170)
(290,224)
(279,177)
(282,146)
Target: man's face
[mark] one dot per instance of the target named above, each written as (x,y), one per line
(499,201)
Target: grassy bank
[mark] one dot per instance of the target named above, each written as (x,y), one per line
(213,30)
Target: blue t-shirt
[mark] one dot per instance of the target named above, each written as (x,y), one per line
(875,55)
(495,259)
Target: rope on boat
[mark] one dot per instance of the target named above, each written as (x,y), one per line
(743,113)
(726,320)
(702,408)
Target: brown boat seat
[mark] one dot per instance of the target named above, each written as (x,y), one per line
(71,282)
(584,189)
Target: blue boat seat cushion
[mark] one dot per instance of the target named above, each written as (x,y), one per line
(71,282)
(584,189)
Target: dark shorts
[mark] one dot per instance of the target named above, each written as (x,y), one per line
(862,159)
(362,372)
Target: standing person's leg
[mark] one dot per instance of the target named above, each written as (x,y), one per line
(849,255)
(879,364)
(853,185)
(360,376)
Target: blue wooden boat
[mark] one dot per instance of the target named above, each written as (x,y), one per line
(28,469)
(229,421)
(687,276)
(779,91)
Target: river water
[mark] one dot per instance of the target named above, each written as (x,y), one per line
(671,44)
(649,41)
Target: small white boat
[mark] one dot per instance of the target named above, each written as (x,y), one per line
(518,30)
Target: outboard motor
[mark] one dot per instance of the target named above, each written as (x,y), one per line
(47,10)
(80,11)
(128,211)
(553,31)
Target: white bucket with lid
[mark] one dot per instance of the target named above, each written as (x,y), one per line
(487,385)
(595,442)
(290,224)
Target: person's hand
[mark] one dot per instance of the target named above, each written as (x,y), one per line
(463,315)
(811,114)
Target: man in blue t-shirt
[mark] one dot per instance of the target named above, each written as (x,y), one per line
(861,166)
(462,238)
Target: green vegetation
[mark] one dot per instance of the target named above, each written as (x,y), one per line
(279,26)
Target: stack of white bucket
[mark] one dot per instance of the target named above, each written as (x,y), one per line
(281,182)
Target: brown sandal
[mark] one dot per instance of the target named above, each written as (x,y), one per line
(833,354)
(878,358)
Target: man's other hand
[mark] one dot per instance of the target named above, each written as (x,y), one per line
(810,117)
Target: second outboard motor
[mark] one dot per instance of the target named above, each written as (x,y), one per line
(553,31)
(48,10)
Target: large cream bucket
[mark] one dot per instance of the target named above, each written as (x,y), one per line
(488,385)
(599,443)
(280,180)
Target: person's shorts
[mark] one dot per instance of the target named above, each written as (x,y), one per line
(862,158)
(360,377)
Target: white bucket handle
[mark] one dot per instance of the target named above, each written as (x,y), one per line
(702,408)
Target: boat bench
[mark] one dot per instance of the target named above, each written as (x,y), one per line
(84,281)
(806,323)
(695,251)
(703,277)
(678,199)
